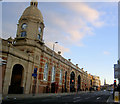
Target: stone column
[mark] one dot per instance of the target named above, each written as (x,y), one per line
(8,74)
(28,78)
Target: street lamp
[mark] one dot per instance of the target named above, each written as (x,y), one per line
(54,45)
(52,64)
(52,58)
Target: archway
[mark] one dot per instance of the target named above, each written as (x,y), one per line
(79,83)
(66,81)
(72,82)
(16,79)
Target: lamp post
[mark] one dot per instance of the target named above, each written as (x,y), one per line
(52,61)
(54,46)
(53,52)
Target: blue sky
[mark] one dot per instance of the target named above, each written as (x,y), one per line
(87,32)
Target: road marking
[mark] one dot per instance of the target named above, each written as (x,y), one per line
(76,101)
(108,99)
(76,97)
(98,98)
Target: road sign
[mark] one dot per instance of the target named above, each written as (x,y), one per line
(34,75)
(117,66)
(117,71)
(35,70)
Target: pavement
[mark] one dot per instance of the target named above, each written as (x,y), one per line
(111,100)
(0,98)
(24,96)
(45,95)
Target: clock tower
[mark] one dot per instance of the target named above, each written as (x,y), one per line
(30,26)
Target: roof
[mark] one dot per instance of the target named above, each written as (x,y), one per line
(32,12)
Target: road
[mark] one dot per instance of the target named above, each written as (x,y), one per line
(98,97)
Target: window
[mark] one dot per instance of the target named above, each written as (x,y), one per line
(45,72)
(23,33)
(24,26)
(60,76)
(39,29)
(53,74)
(38,36)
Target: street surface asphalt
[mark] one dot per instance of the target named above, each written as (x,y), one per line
(97,97)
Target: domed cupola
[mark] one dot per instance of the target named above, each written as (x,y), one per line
(31,24)
(32,12)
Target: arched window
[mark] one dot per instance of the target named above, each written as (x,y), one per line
(23,34)
(24,26)
(45,72)
(39,29)
(53,74)
(60,76)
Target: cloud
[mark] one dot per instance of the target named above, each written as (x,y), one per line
(106,53)
(62,0)
(70,29)
(89,14)
(8,30)
(57,47)
(11,12)
(69,26)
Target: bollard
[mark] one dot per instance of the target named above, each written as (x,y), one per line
(116,96)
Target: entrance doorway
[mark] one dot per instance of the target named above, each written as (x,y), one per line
(79,83)
(52,87)
(16,79)
(66,81)
(72,82)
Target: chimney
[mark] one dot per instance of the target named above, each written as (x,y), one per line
(59,52)
(69,60)
(76,65)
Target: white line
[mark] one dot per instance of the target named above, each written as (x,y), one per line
(76,97)
(98,98)
(108,99)
(76,101)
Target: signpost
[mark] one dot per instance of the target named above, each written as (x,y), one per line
(117,71)
(34,75)
(116,98)
(35,80)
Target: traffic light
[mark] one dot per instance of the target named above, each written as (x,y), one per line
(114,83)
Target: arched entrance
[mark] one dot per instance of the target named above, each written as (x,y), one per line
(16,79)
(66,81)
(72,82)
(79,83)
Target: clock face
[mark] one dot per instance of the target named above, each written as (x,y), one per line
(39,29)
(24,26)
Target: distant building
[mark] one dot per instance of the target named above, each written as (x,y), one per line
(28,65)
(96,82)
(104,81)
(90,80)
